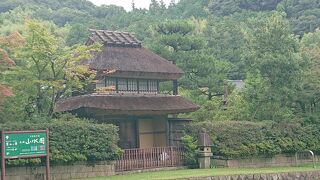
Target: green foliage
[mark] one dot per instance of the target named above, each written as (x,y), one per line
(191,150)
(205,74)
(303,14)
(309,96)
(50,67)
(184,44)
(73,139)
(189,8)
(275,64)
(241,39)
(14,20)
(236,139)
(226,41)
(228,7)
(214,110)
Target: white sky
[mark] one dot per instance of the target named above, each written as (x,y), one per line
(126,3)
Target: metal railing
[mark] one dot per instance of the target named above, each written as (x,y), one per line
(158,157)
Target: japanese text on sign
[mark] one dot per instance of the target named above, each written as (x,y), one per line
(25,144)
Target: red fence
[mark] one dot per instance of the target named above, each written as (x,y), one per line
(134,159)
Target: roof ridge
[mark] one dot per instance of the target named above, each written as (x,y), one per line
(114,38)
(106,30)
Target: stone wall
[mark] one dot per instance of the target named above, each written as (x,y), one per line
(75,171)
(312,175)
(275,161)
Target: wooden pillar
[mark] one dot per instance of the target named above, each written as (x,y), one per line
(168,132)
(117,85)
(158,86)
(225,94)
(175,87)
(137,133)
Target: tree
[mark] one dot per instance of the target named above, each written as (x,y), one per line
(51,69)
(172,2)
(133,5)
(173,39)
(13,40)
(188,8)
(157,8)
(274,67)
(309,96)
(78,34)
(303,14)
(229,7)
(180,42)
(205,74)
(226,43)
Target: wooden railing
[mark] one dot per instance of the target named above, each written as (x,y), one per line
(135,159)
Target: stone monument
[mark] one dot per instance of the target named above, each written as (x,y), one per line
(205,153)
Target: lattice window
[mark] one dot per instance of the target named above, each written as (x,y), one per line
(143,85)
(153,86)
(122,85)
(101,83)
(132,85)
(110,82)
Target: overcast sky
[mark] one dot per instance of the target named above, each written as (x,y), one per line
(126,3)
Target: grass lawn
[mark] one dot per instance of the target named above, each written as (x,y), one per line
(203,172)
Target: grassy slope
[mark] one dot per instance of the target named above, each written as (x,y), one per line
(203,172)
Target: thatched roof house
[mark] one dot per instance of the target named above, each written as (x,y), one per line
(129,104)
(128,92)
(123,53)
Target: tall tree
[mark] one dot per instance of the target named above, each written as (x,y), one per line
(157,8)
(303,14)
(14,40)
(309,96)
(172,39)
(51,69)
(133,5)
(181,43)
(205,74)
(274,67)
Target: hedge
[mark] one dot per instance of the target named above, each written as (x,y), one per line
(234,139)
(74,140)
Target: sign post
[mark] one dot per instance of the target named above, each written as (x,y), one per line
(24,144)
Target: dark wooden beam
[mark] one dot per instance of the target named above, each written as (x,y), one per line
(175,87)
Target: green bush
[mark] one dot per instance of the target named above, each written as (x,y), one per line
(237,139)
(191,150)
(72,139)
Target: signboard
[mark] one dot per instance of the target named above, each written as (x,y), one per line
(26,144)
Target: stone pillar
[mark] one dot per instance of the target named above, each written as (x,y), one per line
(205,154)
(205,158)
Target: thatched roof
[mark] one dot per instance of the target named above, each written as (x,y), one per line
(123,54)
(113,38)
(128,104)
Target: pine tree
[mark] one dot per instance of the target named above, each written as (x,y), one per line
(162,5)
(133,5)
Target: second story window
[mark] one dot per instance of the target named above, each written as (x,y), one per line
(143,85)
(148,86)
(110,82)
(153,86)
(122,85)
(127,85)
(132,85)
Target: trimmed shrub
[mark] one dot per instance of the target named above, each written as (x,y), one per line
(74,140)
(237,139)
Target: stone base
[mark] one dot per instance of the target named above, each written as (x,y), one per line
(204,162)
